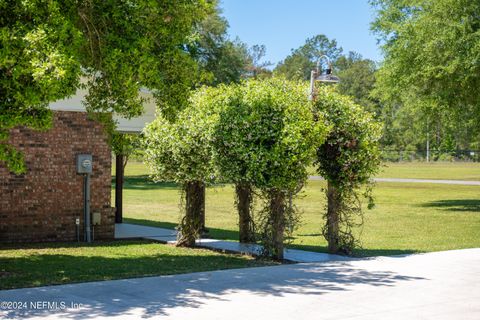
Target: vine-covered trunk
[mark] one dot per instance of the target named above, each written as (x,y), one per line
(245,220)
(332,236)
(203,229)
(277,218)
(191,224)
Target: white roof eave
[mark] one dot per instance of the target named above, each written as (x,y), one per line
(133,125)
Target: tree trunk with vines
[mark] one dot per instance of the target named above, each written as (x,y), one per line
(245,221)
(277,218)
(333,207)
(191,224)
(203,228)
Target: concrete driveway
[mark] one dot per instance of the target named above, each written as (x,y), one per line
(442,285)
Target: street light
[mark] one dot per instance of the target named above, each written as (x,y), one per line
(316,75)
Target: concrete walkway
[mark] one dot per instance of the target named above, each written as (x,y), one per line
(442,285)
(458,182)
(127,231)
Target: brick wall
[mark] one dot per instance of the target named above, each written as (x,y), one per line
(42,204)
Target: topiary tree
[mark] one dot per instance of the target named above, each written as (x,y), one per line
(266,137)
(181,151)
(347,160)
(232,169)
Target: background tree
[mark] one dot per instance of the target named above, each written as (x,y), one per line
(256,68)
(357,77)
(181,152)
(348,159)
(301,61)
(123,145)
(266,137)
(221,59)
(115,47)
(431,61)
(38,64)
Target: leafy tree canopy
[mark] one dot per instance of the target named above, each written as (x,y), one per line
(350,156)
(222,60)
(181,151)
(432,54)
(301,61)
(357,80)
(266,134)
(116,47)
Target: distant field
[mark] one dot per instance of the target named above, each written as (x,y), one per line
(414,170)
(408,217)
(432,170)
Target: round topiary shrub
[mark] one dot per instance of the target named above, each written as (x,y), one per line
(348,159)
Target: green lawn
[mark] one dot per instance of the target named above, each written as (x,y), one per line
(411,170)
(27,265)
(432,170)
(408,217)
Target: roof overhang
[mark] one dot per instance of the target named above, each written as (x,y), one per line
(133,125)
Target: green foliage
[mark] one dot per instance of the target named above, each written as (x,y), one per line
(38,64)
(116,47)
(220,59)
(127,145)
(266,134)
(354,156)
(141,45)
(301,61)
(181,151)
(348,159)
(357,80)
(431,50)
(256,68)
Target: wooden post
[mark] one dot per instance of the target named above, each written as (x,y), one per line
(277,210)
(119,173)
(245,222)
(191,224)
(332,218)
(201,192)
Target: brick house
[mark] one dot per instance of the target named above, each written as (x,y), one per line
(45,203)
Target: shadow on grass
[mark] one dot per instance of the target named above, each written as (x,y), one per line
(460,205)
(143,182)
(223,234)
(151,223)
(157,296)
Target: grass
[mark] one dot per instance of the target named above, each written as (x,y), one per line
(412,170)
(28,265)
(408,217)
(432,170)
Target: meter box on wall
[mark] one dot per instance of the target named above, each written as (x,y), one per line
(84,163)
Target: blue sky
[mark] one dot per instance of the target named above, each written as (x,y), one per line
(282,25)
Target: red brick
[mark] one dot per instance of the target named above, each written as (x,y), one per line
(42,204)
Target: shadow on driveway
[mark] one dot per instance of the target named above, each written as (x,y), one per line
(157,295)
